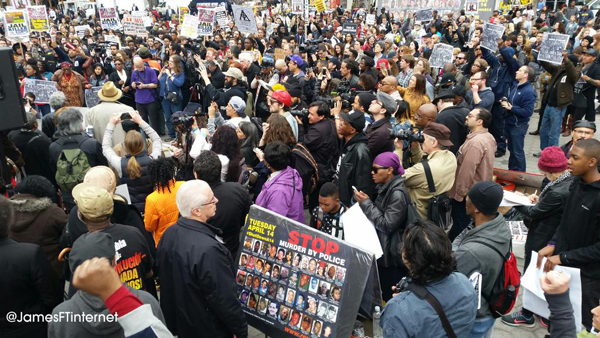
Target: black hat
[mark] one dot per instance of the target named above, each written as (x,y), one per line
(444,94)
(356,119)
(335,61)
(486,196)
(447,78)
(90,245)
(584,124)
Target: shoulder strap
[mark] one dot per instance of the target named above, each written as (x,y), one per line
(497,251)
(429,176)
(421,292)
(32,139)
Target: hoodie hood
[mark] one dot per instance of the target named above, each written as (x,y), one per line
(27,209)
(494,231)
(288,178)
(88,304)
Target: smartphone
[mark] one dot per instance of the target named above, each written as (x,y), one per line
(354,188)
(125,116)
(138,83)
(324,71)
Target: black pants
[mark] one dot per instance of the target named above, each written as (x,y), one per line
(150,112)
(584,113)
(460,220)
(388,277)
(590,298)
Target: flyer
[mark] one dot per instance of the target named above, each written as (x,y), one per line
(15,24)
(206,21)
(109,18)
(293,280)
(38,19)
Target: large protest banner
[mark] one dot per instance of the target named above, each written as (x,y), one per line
(295,281)
(15,25)
(221,16)
(244,19)
(91,96)
(189,27)
(441,54)
(38,19)
(206,21)
(41,89)
(490,36)
(414,5)
(552,48)
(210,4)
(109,18)
(424,15)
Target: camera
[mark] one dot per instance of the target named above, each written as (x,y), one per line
(406,135)
(303,113)
(125,116)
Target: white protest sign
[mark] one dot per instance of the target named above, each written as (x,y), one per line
(221,16)
(189,28)
(441,54)
(552,48)
(297,6)
(109,18)
(206,21)
(471,7)
(91,96)
(244,19)
(358,230)
(15,25)
(370,19)
(41,89)
(490,36)
(38,19)
(134,25)
(80,30)
(113,39)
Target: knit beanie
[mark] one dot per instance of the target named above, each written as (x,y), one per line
(486,196)
(552,160)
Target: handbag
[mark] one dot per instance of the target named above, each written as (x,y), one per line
(172,97)
(439,208)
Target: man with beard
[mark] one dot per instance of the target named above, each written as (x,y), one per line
(234,86)
(582,130)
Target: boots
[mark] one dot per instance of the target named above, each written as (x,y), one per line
(564,124)
(567,131)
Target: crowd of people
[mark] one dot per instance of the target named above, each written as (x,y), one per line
(140,199)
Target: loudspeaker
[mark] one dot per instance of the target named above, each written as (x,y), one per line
(12,106)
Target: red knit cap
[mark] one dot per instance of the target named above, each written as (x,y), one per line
(552,160)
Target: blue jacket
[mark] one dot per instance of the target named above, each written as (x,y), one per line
(522,98)
(503,74)
(174,85)
(406,315)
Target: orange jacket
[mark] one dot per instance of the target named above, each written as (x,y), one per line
(161,210)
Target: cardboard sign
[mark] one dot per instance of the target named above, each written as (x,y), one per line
(38,19)
(206,21)
(109,18)
(91,96)
(15,25)
(351,28)
(441,54)
(221,16)
(552,47)
(189,27)
(244,19)
(490,36)
(41,89)
(295,281)
(279,54)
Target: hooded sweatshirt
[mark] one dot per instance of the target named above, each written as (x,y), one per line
(283,194)
(475,259)
(84,303)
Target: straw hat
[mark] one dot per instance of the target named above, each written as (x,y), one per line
(109,92)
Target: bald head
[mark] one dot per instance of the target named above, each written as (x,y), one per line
(426,113)
(391,84)
(138,63)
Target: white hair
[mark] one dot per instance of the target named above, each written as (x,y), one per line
(192,194)
(246,57)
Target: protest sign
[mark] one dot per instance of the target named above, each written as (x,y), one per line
(221,16)
(471,7)
(210,4)
(424,15)
(91,96)
(112,39)
(414,5)
(441,54)
(490,36)
(189,27)
(134,25)
(297,6)
(182,12)
(206,21)
(19,4)
(80,30)
(38,19)
(552,48)
(15,25)
(370,19)
(279,54)
(295,281)
(41,89)
(244,19)
(350,28)
(320,4)
(109,18)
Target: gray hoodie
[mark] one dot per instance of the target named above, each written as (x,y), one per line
(473,257)
(83,302)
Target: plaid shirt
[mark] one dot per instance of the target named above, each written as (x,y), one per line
(404,79)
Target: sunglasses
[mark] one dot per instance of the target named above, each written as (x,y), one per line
(376,169)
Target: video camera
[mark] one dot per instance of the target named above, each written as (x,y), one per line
(407,135)
(310,46)
(302,113)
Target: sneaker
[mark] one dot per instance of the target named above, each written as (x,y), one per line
(499,153)
(543,321)
(537,154)
(517,319)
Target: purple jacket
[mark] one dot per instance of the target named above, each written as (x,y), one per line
(283,195)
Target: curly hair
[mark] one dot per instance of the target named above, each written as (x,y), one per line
(225,142)
(162,172)
(427,252)
(279,130)
(36,185)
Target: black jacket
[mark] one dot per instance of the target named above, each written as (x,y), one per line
(545,216)
(454,118)
(222,96)
(322,142)
(35,148)
(139,188)
(354,169)
(197,282)
(388,214)
(231,215)
(379,137)
(577,238)
(26,286)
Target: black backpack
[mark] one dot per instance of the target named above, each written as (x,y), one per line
(305,164)
(439,209)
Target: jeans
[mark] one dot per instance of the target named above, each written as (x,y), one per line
(483,327)
(497,127)
(170,108)
(551,123)
(150,112)
(515,137)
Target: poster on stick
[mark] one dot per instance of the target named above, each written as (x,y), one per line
(206,21)
(109,18)
(221,16)
(38,19)
(295,281)
(41,89)
(441,54)
(244,19)
(297,6)
(490,36)
(15,25)
(552,48)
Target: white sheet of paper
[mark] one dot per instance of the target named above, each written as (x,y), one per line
(533,295)
(122,190)
(359,231)
(517,199)
(507,203)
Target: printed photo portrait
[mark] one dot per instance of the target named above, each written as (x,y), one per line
(256,283)
(327,330)
(266,271)
(289,257)
(280,293)
(340,275)
(272,310)
(332,313)
(290,298)
(331,269)
(265,249)
(321,268)
(295,319)
(322,310)
(314,285)
(304,281)
(264,287)
(248,244)
(252,300)
(243,260)
(273,252)
(284,314)
(297,259)
(300,301)
(272,291)
(293,278)
(306,324)
(249,280)
(285,274)
(316,329)
(250,263)
(244,297)
(241,277)
(335,293)
(262,305)
(276,272)
(256,246)
(324,289)
(312,305)
(312,266)
(304,265)
(258,266)
(280,255)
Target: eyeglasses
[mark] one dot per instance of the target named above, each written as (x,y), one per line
(214,200)
(472,79)
(583,132)
(459,58)
(376,169)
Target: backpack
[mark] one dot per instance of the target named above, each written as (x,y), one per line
(306,166)
(506,287)
(439,208)
(72,164)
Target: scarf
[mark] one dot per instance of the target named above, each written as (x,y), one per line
(561,178)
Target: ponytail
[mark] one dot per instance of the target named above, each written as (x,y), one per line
(133,168)
(134,144)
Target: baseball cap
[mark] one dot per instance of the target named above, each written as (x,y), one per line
(234,73)
(448,78)
(238,105)
(297,59)
(440,132)
(584,124)
(355,118)
(282,96)
(94,203)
